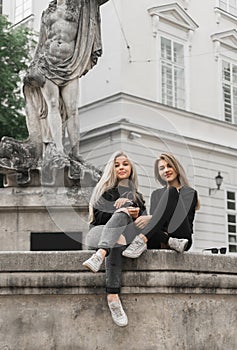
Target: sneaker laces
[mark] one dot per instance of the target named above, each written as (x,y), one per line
(97,258)
(138,242)
(116,308)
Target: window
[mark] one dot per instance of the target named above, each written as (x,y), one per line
(23,8)
(229,85)
(172,73)
(229,6)
(231,198)
(173,28)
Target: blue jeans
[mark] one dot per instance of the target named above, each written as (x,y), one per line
(106,237)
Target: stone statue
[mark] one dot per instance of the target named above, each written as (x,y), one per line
(68,47)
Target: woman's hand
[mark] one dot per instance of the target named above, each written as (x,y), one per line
(120,202)
(142,221)
(134,212)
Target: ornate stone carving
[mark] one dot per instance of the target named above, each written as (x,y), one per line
(18,161)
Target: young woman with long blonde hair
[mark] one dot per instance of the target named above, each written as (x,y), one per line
(114,205)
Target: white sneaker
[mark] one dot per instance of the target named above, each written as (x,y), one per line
(94,262)
(136,248)
(118,315)
(179,245)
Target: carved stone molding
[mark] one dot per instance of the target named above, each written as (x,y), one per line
(173,14)
(220,13)
(20,166)
(224,39)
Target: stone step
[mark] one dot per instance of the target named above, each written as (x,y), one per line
(151,260)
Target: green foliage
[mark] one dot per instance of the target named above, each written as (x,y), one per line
(14,58)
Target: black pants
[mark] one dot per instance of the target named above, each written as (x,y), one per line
(106,237)
(169,219)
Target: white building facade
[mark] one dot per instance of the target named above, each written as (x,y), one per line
(167,81)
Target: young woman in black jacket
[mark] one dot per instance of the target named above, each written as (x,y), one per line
(114,205)
(172,209)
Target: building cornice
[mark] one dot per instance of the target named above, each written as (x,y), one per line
(125,127)
(124,97)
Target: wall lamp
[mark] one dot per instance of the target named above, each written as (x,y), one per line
(219,180)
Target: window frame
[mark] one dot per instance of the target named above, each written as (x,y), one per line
(24,11)
(174,40)
(232,212)
(232,86)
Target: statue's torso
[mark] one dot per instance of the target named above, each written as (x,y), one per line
(61,27)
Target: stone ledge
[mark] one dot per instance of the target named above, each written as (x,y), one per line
(51,283)
(151,260)
(154,272)
(182,302)
(43,197)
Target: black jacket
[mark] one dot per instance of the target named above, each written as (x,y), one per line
(189,198)
(104,208)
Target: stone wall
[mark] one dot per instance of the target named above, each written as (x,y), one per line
(25,210)
(185,302)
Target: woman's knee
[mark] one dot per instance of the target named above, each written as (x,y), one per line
(120,219)
(93,237)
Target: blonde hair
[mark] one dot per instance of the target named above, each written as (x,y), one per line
(175,164)
(109,180)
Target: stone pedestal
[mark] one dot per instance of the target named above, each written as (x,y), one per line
(24,211)
(48,300)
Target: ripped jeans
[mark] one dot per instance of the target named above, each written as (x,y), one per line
(106,237)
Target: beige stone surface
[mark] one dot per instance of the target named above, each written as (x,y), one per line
(183,302)
(39,209)
(83,322)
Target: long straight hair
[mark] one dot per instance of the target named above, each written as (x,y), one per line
(109,180)
(176,165)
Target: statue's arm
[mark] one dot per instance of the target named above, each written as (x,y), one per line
(41,40)
(33,76)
